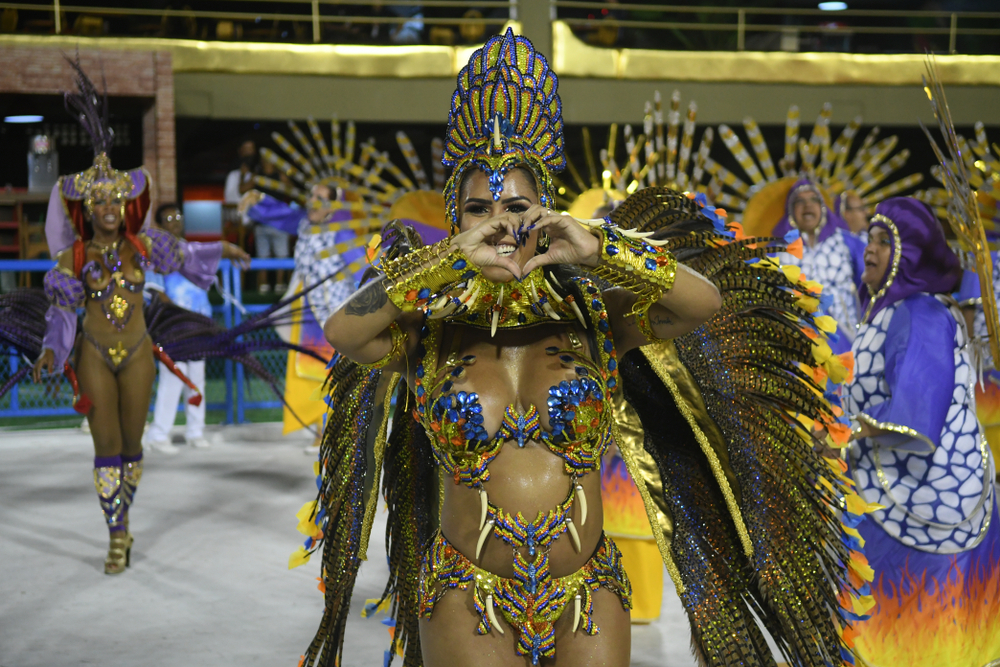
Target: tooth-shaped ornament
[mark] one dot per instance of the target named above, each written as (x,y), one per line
(583,504)
(554,294)
(485,502)
(486,531)
(492,613)
(496,133)
(573,535)
(576,612)
(496,314)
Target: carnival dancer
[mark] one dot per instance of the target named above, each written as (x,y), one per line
(852,210)
(495,540)
(919,453)
(95,231)
(337,202)
(831,254)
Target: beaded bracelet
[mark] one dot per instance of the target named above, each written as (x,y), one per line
(413,279)
(398,341)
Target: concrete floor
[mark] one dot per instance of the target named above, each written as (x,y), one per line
(209,582)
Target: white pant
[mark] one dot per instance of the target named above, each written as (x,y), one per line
(169,392)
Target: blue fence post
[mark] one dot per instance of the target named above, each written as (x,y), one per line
(227,320)
(237,318)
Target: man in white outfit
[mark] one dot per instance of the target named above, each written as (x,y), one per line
(170,388)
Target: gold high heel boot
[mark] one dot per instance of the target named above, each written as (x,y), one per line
(119,553)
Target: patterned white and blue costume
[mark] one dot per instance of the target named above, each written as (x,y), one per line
(836,263)
(315,257)
(933,471)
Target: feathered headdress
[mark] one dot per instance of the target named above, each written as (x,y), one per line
(73,196)
(505,113)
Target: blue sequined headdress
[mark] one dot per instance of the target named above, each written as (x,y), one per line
(505,113)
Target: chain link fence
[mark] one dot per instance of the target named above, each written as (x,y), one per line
(229,393)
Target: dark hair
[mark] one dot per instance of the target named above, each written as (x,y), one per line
(162,208)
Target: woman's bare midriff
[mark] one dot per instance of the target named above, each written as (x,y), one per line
(513,367)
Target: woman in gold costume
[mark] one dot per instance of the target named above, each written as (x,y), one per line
(505,347)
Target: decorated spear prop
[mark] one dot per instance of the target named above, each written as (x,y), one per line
(963,207)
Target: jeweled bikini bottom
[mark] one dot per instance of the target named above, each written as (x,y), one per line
(533,600)
(118,357)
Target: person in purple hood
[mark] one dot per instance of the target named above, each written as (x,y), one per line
(97,232)
(919,452)
(831,255)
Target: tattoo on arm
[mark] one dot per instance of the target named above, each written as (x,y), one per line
(660,320)
(367,300)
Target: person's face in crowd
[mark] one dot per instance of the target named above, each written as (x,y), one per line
(248,155)
(319,203)
(248,149)
(807,209)
(172,221)
(855,214)
(877,254)
(476,205)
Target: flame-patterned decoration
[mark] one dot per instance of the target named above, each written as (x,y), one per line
(756,197)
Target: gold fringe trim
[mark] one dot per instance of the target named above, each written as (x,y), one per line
(380,442)
(650,351)
(651,512)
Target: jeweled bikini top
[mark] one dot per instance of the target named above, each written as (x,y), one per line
(580,410)
(115,307)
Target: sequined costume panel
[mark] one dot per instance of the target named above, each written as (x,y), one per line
(533,600)
(834,264)
(580,410)
(935,547)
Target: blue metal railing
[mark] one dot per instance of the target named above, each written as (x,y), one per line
(236,402)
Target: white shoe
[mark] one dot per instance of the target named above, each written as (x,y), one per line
(162,446)
(200,442)
(85,426)
(264,289)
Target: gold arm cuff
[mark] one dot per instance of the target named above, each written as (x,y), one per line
(398,342)
(633,264)
(425,273)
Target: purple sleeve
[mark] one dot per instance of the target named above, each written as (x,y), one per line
(920,371)
(60,333)
(66,295)
(197,262)
(273,213)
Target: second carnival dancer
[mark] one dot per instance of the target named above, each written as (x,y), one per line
(494,538)
(96,230)
(921,455)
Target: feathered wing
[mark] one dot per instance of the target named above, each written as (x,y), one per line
(22,327)
(354,451)
(336,518)
(757,527)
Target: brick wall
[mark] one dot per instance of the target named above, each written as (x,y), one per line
(144,74)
